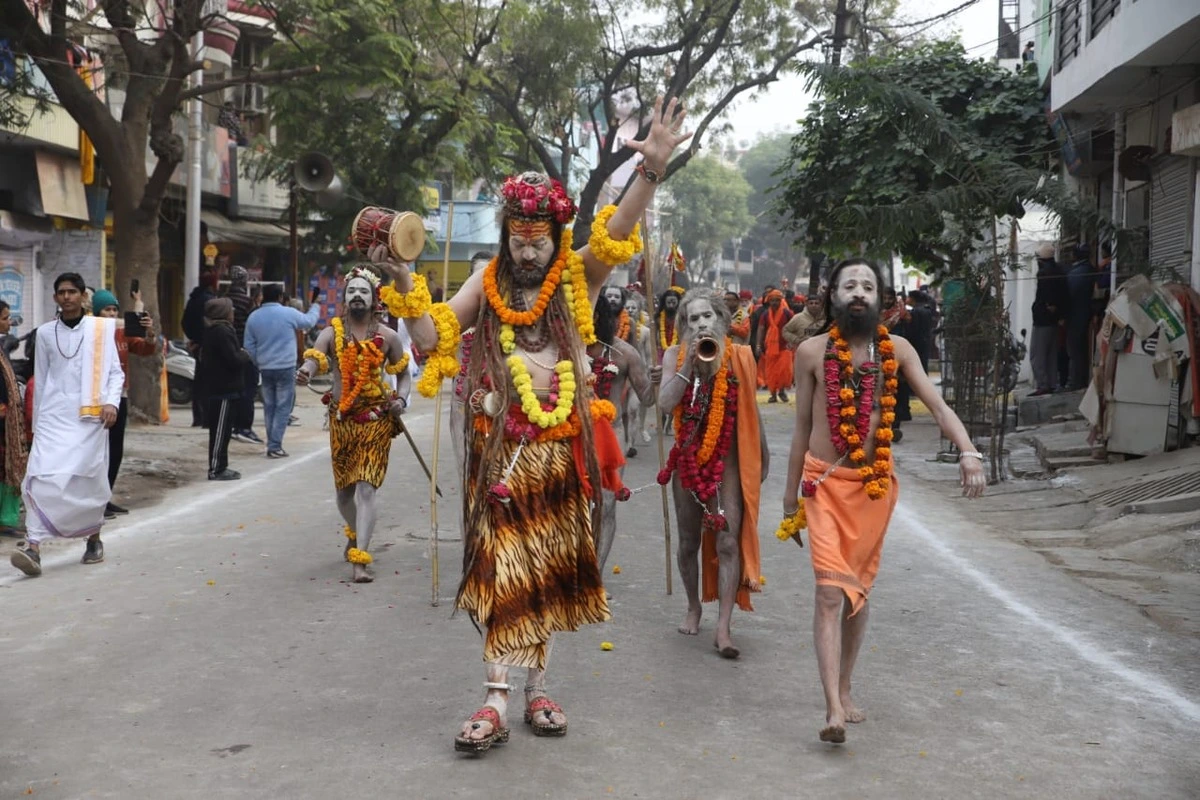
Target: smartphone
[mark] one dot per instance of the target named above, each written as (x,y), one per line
(314,295)
(134,329)
(133,287)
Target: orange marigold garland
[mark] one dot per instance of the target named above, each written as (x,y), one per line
(849,409)
(623,326)
(701,466)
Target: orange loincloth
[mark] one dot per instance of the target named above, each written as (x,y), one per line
(750,472)
(846,529)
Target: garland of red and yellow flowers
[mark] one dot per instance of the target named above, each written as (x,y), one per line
(701,464)
(360,366)
(849,412)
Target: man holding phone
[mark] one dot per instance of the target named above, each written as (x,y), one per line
(271,342)
(135,337)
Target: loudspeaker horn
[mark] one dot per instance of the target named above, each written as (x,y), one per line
(314,172)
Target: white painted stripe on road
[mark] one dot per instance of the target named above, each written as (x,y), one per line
(1142,681)
(202,502)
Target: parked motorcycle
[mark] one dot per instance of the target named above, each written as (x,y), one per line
(181,374)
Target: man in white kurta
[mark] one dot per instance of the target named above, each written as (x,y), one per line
(77,390)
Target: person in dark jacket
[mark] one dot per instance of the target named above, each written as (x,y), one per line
(1081,284)
(243,304)
(193,329)
(223,365)
(1049,310)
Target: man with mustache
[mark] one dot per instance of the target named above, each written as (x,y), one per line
(718,462)
(532,476)
(841,461)
(364,411)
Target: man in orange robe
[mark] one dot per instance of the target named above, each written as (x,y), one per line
(775,362)
(848,514)
(721,530)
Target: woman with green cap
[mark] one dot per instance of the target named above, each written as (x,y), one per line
(104,304)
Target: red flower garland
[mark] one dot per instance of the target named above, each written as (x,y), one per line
(703,480)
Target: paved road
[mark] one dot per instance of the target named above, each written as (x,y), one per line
(219,653)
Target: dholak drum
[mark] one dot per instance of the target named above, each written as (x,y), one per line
(402,231)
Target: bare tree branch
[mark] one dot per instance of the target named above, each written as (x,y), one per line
(260,78)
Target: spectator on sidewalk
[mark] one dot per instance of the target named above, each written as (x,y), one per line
(12,436)
(193,329)
(243,305)
(79,383)
(105,304)
(271,342)
(222,367)
(1049,312)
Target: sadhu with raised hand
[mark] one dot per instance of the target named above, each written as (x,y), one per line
(532,477)
(841,461)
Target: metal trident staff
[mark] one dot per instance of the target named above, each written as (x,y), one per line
(648,262)
(437,420)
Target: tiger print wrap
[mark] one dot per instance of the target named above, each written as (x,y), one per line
(360,450)
(530,564)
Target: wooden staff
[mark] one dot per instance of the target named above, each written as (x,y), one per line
(437,420)
(648,263)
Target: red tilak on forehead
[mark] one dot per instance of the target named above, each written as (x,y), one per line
(529,229)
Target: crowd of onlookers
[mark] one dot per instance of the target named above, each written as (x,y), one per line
(1068,299)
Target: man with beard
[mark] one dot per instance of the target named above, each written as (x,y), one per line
(633,415)
(364,411)
(807,323)
(739,320)
(665,325)
(616,366)
(719,460)
(775,359)
(531,467)
(841,457)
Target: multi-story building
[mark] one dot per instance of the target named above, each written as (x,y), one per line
(1124,82)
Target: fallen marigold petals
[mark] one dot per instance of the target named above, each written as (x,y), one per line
(616,570)
(606,645)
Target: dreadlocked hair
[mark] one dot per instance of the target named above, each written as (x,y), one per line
(488,359)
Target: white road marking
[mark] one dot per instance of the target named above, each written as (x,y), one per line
(1141,681)
(202,502)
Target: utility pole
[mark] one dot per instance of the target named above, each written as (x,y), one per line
(191,256)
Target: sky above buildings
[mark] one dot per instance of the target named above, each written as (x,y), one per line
(785,101)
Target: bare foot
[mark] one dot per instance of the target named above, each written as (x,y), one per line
(362,574)
(724,644)
(691,623)
(853,712)
(834,731)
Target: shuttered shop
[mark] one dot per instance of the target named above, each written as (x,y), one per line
(1172,191)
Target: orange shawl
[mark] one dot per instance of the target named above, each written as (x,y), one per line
(750,472)
(846,530)
(777,359)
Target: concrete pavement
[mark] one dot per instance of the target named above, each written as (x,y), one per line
(219,652)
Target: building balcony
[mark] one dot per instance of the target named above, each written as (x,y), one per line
(54,127)
(1110,54)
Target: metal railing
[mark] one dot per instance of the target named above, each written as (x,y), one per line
(1070,32)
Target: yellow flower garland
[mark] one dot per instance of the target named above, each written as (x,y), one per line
(792,525)
(575,290)
(399,366)
(319,357)
(442,363)
(530,404)
(608,250)
(350,533)
(356,556)
(408,305)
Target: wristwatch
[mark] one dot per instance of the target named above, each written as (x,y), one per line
(651,176)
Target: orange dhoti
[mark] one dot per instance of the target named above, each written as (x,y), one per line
(846,529)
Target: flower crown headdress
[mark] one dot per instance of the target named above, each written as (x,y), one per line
(532,195)
(363,273)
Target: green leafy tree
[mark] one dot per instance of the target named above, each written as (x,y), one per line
(149,65)
(915,153)
(777,255)
(395,105)
(708,206)
(563,77)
